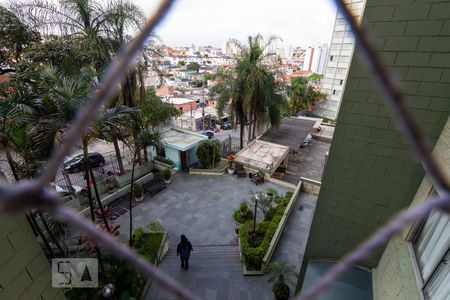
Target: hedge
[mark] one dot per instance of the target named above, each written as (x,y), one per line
(253,256)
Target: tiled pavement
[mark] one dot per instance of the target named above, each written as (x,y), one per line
(198,206)
(201,207)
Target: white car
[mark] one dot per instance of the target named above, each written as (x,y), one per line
(66,189)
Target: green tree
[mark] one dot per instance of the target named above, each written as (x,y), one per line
(111,126)
(303,95)
(255,88)
(154,112)
(193,66)
(17,110)
(15,37)
(208,152)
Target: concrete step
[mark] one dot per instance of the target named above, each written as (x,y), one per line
(206,256)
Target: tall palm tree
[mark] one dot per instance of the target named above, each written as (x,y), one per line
(255,83)
(110,126)
(97,25)
(17,108)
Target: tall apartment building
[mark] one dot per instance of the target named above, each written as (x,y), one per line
(371,173)
(340,54)
(315,59)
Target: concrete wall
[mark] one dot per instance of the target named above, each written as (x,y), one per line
(394,277)
(173,155)
(371,173)
(24,270)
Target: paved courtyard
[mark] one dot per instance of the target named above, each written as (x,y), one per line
(199,206)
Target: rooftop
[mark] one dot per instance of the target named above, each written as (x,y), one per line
(291,132)
(181,140)
(262,155)
(178,101)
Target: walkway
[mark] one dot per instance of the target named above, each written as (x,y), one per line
(215,272)
(199,206)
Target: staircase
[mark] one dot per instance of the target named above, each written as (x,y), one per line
(205,257)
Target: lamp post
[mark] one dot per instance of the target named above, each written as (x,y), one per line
(256,196)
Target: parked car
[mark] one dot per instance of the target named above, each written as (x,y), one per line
(225,126)
(208,133)
(306,141)
(66,190)
(76,164)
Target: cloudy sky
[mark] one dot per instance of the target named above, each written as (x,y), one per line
(213,22)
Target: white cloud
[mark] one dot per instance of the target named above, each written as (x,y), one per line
(213,22)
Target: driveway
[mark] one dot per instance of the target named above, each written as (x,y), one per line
(199,206)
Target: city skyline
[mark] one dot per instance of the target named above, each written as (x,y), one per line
(295,22)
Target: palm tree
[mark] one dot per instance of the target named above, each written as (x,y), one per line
(255,90)
(110,126)
(96,25)
(16,112)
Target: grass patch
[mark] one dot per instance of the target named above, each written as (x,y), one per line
(147,244)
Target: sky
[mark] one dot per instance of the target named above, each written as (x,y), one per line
(213,22)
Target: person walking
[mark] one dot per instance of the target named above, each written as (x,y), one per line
(184,249)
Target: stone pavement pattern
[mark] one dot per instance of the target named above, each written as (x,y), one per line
(215,272)
(201,206)
(198,206)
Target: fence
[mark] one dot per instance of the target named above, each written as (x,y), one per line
(33,194)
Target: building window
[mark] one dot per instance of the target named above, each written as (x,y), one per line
(431,245)
(341,82)
(331,57)
(334,92)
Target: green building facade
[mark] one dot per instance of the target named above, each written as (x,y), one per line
(24,270)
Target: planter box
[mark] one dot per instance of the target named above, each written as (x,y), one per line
(216,171)
(161,165)
(108,198)
(275,239)
(163,247)
(121,181)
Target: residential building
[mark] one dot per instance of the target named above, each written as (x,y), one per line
(315,59)
(340,55)
(371,172)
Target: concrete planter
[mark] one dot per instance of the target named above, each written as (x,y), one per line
(275,239)
(231,171)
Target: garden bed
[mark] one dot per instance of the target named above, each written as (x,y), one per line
(151,246)
(220,169)
(256,251)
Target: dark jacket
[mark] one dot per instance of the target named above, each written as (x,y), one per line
(184,249)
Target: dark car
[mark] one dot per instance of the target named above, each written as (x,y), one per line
(76,164)
(208,133)
(225,126)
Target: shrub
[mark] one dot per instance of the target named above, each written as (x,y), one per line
(138,191)
(243,214)
(155,226)
(253,255)
(270,214)
(208,153)
(243,207)
(138,234)
(166,174)
(147,244)
(164,160)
